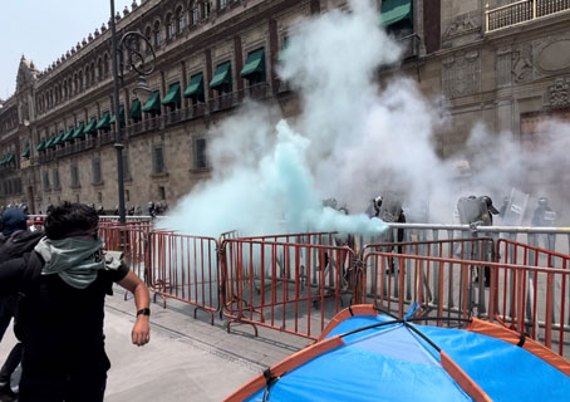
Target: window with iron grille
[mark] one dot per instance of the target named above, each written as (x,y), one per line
(74,175)
(55,176)
(201,159)
(96,163)
(157,160)
(46,181)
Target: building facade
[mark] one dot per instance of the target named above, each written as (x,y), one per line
(501,62)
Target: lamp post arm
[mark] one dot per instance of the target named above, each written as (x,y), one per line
(118,128)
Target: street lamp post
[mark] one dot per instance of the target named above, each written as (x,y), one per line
(136,63)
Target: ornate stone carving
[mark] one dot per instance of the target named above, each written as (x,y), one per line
(551,55)
(462,74)
(461,25)
(522,63)
(558,94)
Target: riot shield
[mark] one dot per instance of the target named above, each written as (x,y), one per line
(470,210)
(516,208)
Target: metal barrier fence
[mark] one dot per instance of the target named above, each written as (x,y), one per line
(552,238)
(295,283)
(294,288)
(506,291)
(185,268)
(429,281)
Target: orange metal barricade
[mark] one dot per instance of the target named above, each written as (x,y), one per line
(294,288)
(185,268)
(133,243)
(474,300)
(534,289)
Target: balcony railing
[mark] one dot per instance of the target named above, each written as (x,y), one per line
(523,11)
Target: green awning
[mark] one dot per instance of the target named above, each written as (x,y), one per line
(41,145)
(121,115)
(59,138)
(255,64)
(136,112)
(394,11)
(153,104)
(51,141)
(91,127)
(68,136)
(104,123)
(10,158)
(222,76)
(196,86)
(173,95)
(26,153)
(78,131)
(3,160)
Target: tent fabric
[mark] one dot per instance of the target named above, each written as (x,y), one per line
(392,362)
(222,76)
(255,64)
(152,105)
(173,95)
(394,11)
(541,351)
(196,86)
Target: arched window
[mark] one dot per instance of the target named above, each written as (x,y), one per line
(80,77)
(65,90)
(205,9)
(92,73)
(195,16)
(180,20)
(87,77)
(169,27)
(75,84)
(100,69)
(106,65)
(148,35)
(157,35)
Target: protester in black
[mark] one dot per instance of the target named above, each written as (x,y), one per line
(65,281)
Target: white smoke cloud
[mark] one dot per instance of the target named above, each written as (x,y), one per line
(352,141)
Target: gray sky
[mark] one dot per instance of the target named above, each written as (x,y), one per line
(43,30)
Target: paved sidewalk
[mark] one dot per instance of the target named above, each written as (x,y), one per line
(187,359)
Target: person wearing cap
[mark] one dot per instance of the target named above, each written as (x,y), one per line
(14,221)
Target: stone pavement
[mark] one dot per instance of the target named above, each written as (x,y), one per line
(187,359)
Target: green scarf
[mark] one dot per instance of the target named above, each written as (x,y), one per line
(76,261)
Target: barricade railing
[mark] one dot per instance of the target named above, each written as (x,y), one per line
(185,268)
(294,288)
(524,254)
(553,238)
(506,292)
(479,249)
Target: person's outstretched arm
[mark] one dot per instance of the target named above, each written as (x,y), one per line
(141,329)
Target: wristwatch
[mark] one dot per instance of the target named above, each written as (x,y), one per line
(143,311)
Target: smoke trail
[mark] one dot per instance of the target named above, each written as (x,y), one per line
(352,140)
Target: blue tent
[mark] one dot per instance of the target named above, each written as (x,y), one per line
(366,356)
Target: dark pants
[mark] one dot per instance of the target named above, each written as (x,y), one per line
(11,363)
(5,317)
(75,374)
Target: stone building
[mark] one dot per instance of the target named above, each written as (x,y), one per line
(507,63)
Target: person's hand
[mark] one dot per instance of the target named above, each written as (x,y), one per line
(141,331)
